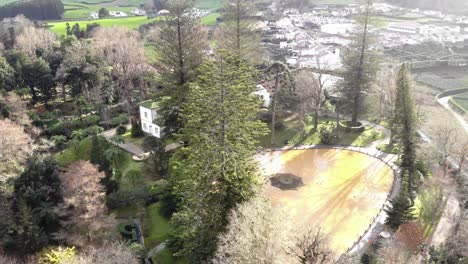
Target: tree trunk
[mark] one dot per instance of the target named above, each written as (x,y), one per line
(33,94)
(273,110)
(316,116)
(64,93)
(358,88)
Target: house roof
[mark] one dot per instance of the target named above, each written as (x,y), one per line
(150,104)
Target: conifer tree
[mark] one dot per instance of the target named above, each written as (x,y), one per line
(221,131)
(401,209)
(360,64)
(180,44)
(404,121)
(237,33)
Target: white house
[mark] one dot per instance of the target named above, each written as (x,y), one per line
(117,14)
(94,15)
(264,95)
(163,12)
(148,114)
(139,12)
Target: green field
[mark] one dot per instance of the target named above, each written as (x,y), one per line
(132,22)
(59,28)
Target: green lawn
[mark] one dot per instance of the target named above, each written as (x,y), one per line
(462,100)
(137,141)
(429,225)
(291,134)
(165,257)
(210,20)
(126,212)
(156,227)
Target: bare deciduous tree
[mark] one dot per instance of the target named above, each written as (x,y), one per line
(257,234)
(392,252)
(10,28)
(123,50)
(311,248)
(310,93)
(445,133)
(115,253)
(83,207)
(15,147)
(18,108)
(36,42)
(461,153)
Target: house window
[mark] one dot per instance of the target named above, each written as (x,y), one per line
(146,114)
(144,126)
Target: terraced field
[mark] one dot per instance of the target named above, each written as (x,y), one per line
(443,78)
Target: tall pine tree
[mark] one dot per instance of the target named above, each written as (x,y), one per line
(401,209)
(404,125)
(360,64)
(404,121)
(219,172)
(180,44)
(237,31)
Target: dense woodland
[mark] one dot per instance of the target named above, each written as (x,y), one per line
(62,182)
(34,9)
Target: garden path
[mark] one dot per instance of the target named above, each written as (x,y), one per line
(127,146)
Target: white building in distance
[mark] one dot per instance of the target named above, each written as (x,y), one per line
(404,27)
(148,114)
(117,14)
(337,29)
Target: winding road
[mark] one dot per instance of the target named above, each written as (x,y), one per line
(444,101)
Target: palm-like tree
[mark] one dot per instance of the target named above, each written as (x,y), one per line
(77,136)
(282,77)
(114,155)
(59,141)
(94,130)
(117,139)
(81,105)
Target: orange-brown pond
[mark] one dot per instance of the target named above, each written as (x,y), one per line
(339,190)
